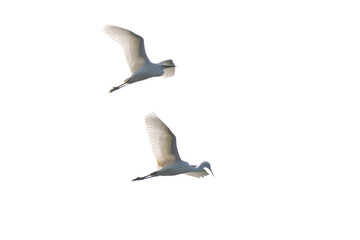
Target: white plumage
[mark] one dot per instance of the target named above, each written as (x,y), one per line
(140,65)
(163,143)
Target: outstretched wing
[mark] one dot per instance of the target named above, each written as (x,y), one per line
(203,173)
(162,140)
(169,72)
(132,44)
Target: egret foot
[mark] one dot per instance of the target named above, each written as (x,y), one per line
(114,89)
(138,178)
(118,87)
(142,178)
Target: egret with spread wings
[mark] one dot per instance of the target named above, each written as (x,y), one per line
(163,143)
(140,65)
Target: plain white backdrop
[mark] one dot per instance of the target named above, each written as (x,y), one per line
(266,91)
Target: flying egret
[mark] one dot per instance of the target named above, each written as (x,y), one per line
(163,143)
(140,65)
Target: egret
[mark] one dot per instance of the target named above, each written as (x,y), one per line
(134,50)
(163,143)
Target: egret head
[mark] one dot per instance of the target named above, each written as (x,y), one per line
(167,64)
(207,165)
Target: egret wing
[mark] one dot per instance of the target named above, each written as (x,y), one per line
(132,44)
(162,140)
(169,72)
(203,173)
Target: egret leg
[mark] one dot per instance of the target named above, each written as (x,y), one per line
(143,178)
(118,87)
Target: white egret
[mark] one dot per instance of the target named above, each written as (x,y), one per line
(140,65)
(163,143)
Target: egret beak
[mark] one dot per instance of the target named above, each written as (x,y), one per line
(211,172)
(166,66)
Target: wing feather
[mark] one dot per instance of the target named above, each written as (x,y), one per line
(162,140)
(132,44)
(169,72)
(198,174)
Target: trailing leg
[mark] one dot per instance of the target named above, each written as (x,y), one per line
(143,178)
(120,86)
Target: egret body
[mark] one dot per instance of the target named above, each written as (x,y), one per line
(140,65)
(163,143)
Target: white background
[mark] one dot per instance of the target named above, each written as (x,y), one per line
(266,91)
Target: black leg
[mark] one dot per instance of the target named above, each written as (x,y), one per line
(143,178)
(118,87)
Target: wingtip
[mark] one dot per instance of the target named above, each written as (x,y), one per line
(151,115)
(106,27)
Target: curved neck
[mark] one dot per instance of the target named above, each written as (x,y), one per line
(198,168)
